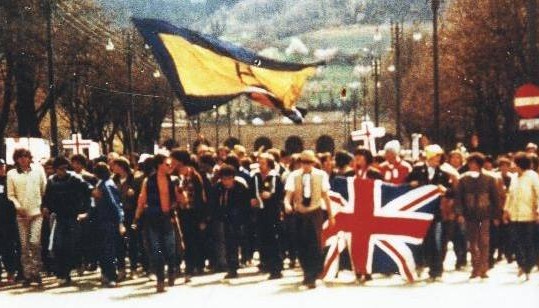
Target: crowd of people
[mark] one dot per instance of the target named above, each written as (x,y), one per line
(183,214)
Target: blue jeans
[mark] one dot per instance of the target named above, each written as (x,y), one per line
(162,247)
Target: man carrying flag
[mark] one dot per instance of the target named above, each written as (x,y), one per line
(205,72)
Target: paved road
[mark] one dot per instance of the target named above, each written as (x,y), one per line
(251,289)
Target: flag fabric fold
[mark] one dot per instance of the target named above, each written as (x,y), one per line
(381,224)
(206,72)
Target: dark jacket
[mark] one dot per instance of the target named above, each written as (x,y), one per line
(67,197)
(420,174)
(272,184)
(478,198)
(230,205)
(154,200)
(129,203)
(7,210)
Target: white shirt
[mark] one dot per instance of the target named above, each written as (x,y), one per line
(25,189)
(306,181)
(290,185)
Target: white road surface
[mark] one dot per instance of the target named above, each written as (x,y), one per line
(502,289)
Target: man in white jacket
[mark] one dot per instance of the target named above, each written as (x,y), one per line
(26,186)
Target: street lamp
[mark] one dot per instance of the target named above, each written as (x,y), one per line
(110,45)
(377,35)
(417,36)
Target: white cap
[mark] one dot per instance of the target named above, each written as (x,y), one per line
(433,150)
(393,146)
(531,145)
(143,157)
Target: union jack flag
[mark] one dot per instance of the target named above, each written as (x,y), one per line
(381,224)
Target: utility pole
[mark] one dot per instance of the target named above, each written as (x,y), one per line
(173,118)
(216,110)
(376,65)
(397,30)
(531,8)
(131,111)
(50,63)
(229,119)
(436,70)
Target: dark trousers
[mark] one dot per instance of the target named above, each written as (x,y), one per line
(456,233)
(478,238)
(268,231)
(289,238)
(90,244)
(162,244)
(192,238)
(219,248)
(107,237)
(309,240)
(233,236)
(507,246)
(251,237)
(66,250)
(8,246)
(430,253)
(129,245)
(46,258)
(522,234)
(495,244)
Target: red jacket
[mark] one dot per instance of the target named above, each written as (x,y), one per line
(395,173)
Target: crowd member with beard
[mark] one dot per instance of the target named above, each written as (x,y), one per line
(25,188)
(67,196)
(129,245)
(230,201)
(266,195)
(192,201)
(156,205)
(8,230)
(431,254)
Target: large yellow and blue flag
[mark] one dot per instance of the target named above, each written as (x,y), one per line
(206,72)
